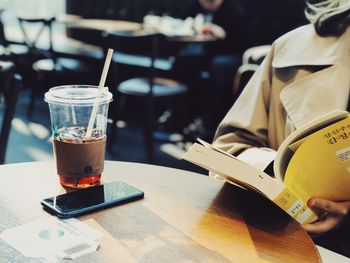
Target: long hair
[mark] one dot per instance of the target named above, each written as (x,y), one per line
(330,17)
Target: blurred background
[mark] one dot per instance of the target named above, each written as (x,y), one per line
(178,66)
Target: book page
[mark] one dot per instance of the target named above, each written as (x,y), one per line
(320,167)
(295,145)
(233,169)
(259,158)
(241,173)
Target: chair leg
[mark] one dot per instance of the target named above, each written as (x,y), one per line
(181,111)
(11,102)
(31,104)
(148,131)
(111,135)
(115,117)
(149,145)
(35,90)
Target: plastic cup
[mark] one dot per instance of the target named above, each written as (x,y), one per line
(79,161)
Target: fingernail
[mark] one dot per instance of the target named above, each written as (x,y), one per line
(311,202)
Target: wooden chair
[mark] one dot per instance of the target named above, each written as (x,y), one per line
(9,89)
(49,67)
(251,60)
(255,55)
(9,50)
(148,87)
(243,75)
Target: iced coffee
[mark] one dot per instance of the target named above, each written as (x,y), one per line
(79,158)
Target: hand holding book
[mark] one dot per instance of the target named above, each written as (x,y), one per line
(331,215)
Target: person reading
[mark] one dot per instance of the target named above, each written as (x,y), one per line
(304,76)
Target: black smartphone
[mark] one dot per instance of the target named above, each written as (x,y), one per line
(91,199)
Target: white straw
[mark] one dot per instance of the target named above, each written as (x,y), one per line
(100,88)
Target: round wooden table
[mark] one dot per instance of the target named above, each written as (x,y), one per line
(105,24)
(184,217)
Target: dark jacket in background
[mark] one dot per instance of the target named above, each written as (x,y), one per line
(231,17)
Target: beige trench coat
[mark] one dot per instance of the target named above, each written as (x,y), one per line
(302,77)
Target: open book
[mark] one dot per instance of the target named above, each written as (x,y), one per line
(313,161)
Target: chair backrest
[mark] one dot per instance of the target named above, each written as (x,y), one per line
(136,43)
(255,55)
(10,84)
(3,40)
(243,75)
(32,41)
(251,60)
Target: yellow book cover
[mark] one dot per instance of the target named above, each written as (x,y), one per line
(312,161)
(320,166)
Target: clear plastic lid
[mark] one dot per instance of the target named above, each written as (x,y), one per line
(84,95)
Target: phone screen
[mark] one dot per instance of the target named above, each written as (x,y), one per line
(91,199)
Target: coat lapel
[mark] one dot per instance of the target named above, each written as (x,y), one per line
(314,94)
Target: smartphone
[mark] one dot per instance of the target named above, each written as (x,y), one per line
(91,199)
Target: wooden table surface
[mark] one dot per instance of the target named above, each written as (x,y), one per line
(105,24)
(193,39)
(120,25)
(184,217)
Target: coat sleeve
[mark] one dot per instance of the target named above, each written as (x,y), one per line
(245,125)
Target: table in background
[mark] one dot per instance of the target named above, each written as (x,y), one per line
(184,217)
(105,24)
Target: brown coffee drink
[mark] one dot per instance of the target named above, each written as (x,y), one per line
(79,162)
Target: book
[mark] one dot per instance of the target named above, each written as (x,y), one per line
(313,161)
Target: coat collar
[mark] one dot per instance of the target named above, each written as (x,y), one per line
(303,46)
(322,91)
(316,94)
